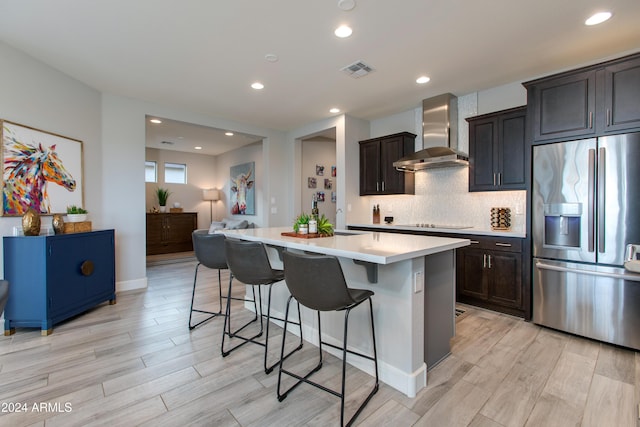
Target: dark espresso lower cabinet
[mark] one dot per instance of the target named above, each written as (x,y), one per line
(489,274)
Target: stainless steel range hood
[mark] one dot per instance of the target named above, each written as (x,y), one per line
(439,137)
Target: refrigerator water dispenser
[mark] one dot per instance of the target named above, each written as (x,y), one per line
(562,225)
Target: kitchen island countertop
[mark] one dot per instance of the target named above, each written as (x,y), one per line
(378,248)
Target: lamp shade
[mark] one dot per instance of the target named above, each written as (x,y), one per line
(211,194)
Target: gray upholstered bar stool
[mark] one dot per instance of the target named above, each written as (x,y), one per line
(4,294)
(210,252)
(317,282)
(249,264)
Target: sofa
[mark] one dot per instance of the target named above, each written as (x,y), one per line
(230,224)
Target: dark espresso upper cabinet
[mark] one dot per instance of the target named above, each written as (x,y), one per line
(564,107)
(587,102)
(621,96)
(377,174)
(496,150)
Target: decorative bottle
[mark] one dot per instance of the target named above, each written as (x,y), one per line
(313,221)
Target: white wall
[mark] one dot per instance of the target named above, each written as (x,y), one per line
(41,97)
(246,154)
(201,174)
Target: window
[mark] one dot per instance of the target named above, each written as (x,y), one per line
(150,172)
(175,173)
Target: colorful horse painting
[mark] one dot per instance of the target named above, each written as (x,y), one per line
(27,170)
(240,185)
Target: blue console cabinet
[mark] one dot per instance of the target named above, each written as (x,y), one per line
(52,278)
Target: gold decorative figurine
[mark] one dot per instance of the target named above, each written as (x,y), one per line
(58,224)
(31,223)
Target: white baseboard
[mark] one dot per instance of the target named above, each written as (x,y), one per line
(130,285)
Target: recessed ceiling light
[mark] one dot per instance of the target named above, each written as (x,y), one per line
(343,31)
(198,148)
(156,121)
(257,85)
(422,80)
(334,110)
(598,18)
(229,133)
(270,57)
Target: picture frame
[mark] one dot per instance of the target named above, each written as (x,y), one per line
(242,189)
(48,190)
(328,184)
(320,170)
(312,182)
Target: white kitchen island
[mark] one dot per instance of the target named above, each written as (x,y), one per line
(413,278)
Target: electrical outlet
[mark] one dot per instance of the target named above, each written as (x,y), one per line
(418,282)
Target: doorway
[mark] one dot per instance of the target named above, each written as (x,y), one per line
(319,173)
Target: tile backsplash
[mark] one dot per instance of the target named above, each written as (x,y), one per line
(442,196)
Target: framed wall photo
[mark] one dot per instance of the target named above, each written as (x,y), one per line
(242,185)
(40,169)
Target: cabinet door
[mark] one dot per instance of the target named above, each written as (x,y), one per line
(622,96)
(482,154)
(511,143)
(564,107)
(505,285)
(392,181)
(179,228)
(369,168)
(471,280)
(70,286)
(155,233)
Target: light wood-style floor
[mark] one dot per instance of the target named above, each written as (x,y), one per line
(136,363)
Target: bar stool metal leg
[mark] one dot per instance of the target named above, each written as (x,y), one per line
(193,295)
(345,350)
(269,368)
(226,330)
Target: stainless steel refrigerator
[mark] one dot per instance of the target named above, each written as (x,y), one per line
(585,216)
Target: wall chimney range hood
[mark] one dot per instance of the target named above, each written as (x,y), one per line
(439,137)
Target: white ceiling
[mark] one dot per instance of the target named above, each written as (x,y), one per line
(202,55)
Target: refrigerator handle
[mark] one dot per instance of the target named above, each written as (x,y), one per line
(601,198)
(590,203)
(631,277)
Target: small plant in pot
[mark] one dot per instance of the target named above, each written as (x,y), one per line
(162,194)
(76,214)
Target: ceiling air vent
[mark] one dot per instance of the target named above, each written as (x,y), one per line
(167,142)
(357,69)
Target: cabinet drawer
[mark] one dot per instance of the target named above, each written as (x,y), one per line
(508,244)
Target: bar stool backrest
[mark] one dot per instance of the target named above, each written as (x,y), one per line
(249,262)
(209,249)
(316,281)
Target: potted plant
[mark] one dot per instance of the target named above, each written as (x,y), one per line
(301,224)
(325,228)
(162,194)
(76,214)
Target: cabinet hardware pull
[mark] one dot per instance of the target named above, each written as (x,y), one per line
(499,178)
(474,242)
(489,259)
(86,268)
(377,186)
(382,185)
(608,117)
(590,119)
(484,260)
(506,245)
(494,179)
